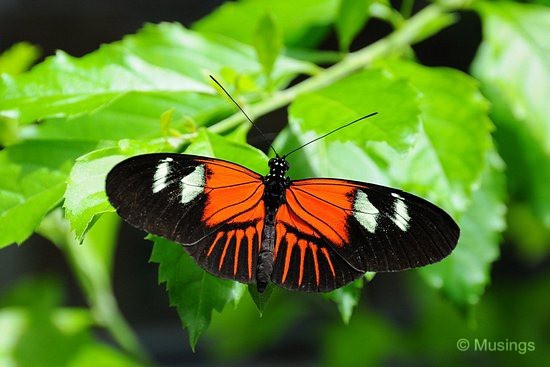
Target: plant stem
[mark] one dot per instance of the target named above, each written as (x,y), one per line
(105,309)
(425,23)
(91,266)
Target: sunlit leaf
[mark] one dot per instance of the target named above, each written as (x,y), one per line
(33,180)
(133,116)
(355,96)
(18,58)
(160,58)
(446,162)
(213,145)
(85,197)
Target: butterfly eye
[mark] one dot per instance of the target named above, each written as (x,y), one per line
(271,161)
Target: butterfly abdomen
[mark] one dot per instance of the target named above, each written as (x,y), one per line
(265,258)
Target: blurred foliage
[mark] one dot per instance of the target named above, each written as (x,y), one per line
(65,123)
(513,65)
(37,331)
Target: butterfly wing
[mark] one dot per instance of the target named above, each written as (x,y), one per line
(213,207)
(330,232)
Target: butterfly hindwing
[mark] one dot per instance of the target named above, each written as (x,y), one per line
(330,232)
(213,207)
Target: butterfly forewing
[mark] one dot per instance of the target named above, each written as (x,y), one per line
(213,207)
(330,232)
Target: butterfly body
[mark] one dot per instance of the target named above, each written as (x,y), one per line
(310,235)
(276,183)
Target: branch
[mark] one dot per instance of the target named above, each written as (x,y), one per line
(424,24)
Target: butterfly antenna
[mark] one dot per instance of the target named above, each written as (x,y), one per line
(244,113)
(330,132)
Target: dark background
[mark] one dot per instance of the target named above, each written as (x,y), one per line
(79,27)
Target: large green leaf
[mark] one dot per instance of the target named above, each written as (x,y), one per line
(33,181)
(213,145)
(447,160)
(463,276)
(85,197)
(304,30)
(356,96)
(513,65)
(443,163)
(160,58)
(194,292)
(133,116)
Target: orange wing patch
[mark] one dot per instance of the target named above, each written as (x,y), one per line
(231,254)
(299,259)
(232,192)
(235,211)
(311,227)
(318,210)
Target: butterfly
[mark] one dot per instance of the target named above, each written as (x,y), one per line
(312,235)
(315,234)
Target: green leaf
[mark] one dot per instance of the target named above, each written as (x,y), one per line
(212,145)
(449,156)
(238,20)
(85,197)
(268,42)
(347,298)
(356,96)
(352,16)
(444,163)
(33,181)
(260,299)
(160,58)
(513,65)
(18,58)
(463,276)
(194,292)
(133,116)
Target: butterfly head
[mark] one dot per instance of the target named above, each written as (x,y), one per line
(278,166)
